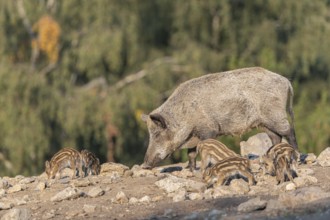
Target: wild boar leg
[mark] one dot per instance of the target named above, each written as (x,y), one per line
(192,154)
(275,138)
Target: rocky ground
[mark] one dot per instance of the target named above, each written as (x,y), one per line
(167,193)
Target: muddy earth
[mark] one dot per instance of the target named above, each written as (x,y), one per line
(170,192)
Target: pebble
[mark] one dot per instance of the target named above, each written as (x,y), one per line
(290,187)
(195,196)
(121,198)
(252,205)
(41,186)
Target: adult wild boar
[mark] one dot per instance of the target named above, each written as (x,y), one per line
(227,103)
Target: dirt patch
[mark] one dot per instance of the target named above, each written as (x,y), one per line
(145,200)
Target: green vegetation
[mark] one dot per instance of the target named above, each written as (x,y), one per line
(119,59)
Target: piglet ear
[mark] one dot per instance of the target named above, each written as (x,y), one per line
(158,120)
(144,117)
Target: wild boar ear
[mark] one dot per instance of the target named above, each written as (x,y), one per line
(158,120)
(144,117)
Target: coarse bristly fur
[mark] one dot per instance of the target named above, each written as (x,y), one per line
(212,151)
(65,158)
(230,167)
(91,164)
(227,103)
(280,160)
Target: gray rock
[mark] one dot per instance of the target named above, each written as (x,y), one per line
(257,145)
(274,205)
(95,192)
(239,186)
(252,205)
(324,158)
(6,205)
(17,214)
(172,183)
(66,194)
(121,198)
(145,199)
(301,196)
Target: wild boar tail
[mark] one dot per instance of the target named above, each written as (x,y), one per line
(289,105)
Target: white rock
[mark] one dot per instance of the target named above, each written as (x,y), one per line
(133,200)
(17,214)
(172,183)
(180,196)
(41,186)
(239,186)
(95,192)
(145,199)
(290,187)
(67,193)
(257,145)
(324,158)
(252,205)
(121,198)
(195,196)
(2,192)
(311,158)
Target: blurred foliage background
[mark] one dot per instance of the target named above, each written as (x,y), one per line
(80,73)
